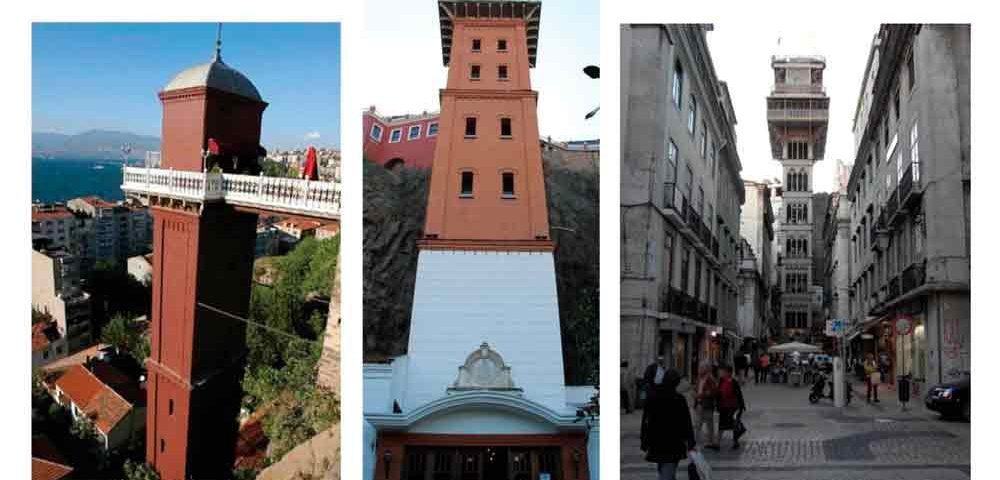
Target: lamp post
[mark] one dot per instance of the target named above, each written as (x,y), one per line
(593,72)
(387,461)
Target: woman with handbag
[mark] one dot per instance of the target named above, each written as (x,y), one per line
(731,405)
(667,435)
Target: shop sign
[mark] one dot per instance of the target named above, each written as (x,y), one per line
(904,325)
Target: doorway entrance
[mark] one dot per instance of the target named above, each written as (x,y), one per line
(481,463)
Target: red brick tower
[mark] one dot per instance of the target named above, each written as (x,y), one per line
(203,258)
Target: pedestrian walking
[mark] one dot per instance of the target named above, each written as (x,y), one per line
(667,436)
(624,389)
(755,366)
(731,405)
(746,368)
(872,378)
(741,364)
(765,364)
(705,396)
(654,375)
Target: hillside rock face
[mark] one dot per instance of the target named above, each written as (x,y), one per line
(394,209)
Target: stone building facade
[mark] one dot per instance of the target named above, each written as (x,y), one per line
(910,204)
(757,318)
(681,194)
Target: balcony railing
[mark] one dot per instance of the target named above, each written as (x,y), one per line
(290,195)
(670,195)
(911,179)
(913,277)
(892,207)
(893,288)
(784,88)
(804,114)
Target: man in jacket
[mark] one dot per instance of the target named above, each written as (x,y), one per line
(667,435)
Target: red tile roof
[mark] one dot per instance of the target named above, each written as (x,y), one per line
(300,224)
(55,213)
(98,202)
(99,401)
(46,462)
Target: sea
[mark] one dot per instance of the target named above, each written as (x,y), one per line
(58,180)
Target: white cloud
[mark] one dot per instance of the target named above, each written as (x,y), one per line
(312,135)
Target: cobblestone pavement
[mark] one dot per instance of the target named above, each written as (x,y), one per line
(790,439)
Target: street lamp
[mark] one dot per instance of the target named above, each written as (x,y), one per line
(593,72)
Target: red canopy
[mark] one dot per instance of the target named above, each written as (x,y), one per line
(309,170)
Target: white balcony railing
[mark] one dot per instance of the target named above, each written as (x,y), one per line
(289,195)
(801,114)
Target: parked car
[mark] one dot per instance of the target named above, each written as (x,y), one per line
(953,399)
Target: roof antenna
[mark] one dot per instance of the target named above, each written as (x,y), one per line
(218,44)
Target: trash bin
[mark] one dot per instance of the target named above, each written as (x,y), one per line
(796,377)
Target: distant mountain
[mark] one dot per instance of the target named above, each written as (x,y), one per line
(91,145)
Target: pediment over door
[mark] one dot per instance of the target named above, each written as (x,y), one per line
(484,369)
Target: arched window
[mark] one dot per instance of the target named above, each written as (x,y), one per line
(805,182)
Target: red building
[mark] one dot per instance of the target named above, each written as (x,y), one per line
(202,264)
(401,140)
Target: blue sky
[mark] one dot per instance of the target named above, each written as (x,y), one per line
(107,75)
(407,73)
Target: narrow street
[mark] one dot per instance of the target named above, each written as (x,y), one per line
(788,438)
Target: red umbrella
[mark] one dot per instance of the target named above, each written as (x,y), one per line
(309,172)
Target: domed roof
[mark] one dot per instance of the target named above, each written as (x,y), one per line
(217,75)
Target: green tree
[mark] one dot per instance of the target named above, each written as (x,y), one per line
(139,471)
(39,316)
(117,333)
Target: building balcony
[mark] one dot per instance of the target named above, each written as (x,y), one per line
(797,115)
(892,208)
(910,186)
(713,315)
(670,194)
(893,289)
(703,312)
(288,195)
(913,277)
(789,89)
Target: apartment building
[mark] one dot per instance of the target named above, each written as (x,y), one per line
(757,318)
(681,194)
(55,289)
(910,200)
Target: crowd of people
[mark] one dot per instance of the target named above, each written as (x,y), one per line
(669,434)
(672,427)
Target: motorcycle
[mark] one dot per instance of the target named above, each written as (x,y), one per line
(819,389)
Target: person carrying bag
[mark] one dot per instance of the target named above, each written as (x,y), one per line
(667,435)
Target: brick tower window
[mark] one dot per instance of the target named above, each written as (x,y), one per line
(470,127)
(502,72)
(508,184)
(505,128)
(170,407)
(163,445)
(502,45)
(467,184)
(474,72)
(477,45)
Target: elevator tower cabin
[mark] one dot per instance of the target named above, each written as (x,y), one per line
(480,392)
(205,203)
(797,116)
